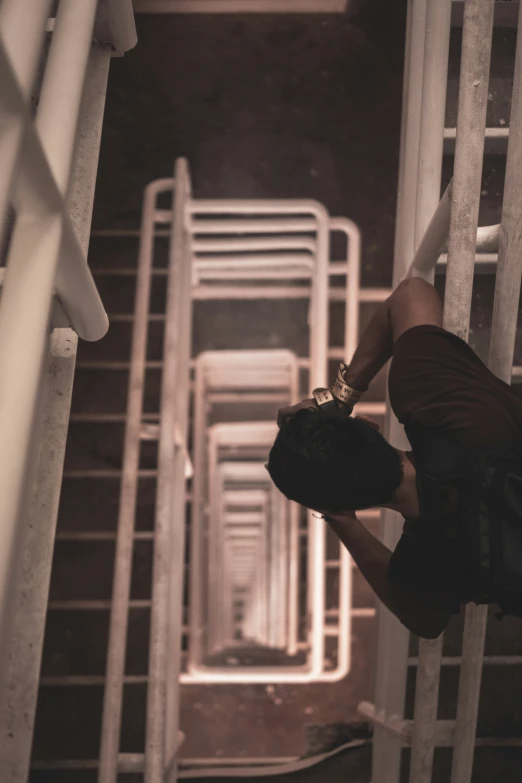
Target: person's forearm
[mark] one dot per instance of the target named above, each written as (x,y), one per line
(370,554)
(372,558)
(374,349)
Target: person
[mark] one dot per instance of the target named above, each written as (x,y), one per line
(338,467)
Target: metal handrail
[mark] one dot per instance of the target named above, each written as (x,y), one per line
(456,214)
(169,539)
(40,164)
(162,710)
(37,175)
(113,694)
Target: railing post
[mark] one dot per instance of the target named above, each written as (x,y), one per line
(433,110)
(469,152)
(17,711)
(169,534)
(42,225)
(391,670)
(500,362)
(110,734)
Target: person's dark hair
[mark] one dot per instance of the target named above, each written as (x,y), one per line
(333,464)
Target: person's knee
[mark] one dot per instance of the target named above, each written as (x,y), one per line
(414,302)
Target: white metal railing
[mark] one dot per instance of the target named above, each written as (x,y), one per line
(230,441)
(284,226)
(162,735)
(232,376)
(48,170)
(245,485)
(270,223)
(457,216)
(239,6)
(215,262)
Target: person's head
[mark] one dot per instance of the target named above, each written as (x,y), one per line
(333,464)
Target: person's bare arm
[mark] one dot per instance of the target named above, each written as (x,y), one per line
(372,558)
(413,302)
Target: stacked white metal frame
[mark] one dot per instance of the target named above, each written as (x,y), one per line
(240,6)
(417,238)
(277,240)
(240,489)
(217,241)
(48,171)
(235,492)
(239,377)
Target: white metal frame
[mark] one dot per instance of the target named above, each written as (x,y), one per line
(234,481)
(260,497)
(231,440)
(233,376)
(48,171)
(298,221)
(239,6)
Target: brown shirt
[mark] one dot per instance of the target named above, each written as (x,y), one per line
(437,380)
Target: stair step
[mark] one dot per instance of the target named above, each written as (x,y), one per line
(83,570)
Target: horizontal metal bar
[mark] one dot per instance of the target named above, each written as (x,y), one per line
(108,418)
(238,261)
(188,763)
(492,660)
(239,6)
(94,605)
(235,762)
(253,226)
(444,729)
(260,244)
(331,631)
(105,473)
(100,535)
(222,267)
(71,680)
(365,612)
(254,208)
(114,365)
(495,141)
(485,263)
(126,232)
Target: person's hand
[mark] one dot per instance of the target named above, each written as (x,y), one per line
(284,413)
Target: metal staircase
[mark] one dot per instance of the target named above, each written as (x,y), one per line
(127,600)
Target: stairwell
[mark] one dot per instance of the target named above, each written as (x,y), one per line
(233,721)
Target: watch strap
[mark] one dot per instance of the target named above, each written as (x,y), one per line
(341,391)
(326,402)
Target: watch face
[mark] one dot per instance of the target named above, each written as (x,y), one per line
(322,396)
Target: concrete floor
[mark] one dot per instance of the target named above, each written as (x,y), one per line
(262,107)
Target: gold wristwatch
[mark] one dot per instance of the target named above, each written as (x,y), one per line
(341,391)
(338,392)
